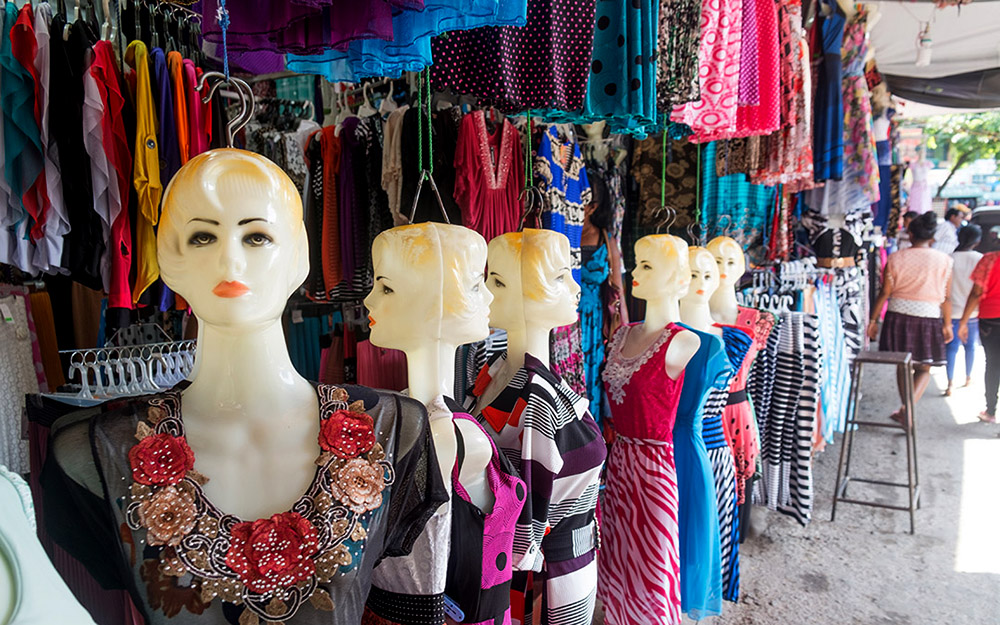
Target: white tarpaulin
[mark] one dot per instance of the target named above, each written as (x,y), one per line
(964,40)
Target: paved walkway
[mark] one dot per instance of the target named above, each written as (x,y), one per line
(866,567)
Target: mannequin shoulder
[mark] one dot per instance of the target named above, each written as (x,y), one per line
(72,451)
(680,351)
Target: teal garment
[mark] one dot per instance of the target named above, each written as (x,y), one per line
(22,141)
(621,88)
(698,517)
(410,48)
(749,207)
(594,273)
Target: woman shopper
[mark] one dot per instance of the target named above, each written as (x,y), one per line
(917,285)
(985,298)
(966,258)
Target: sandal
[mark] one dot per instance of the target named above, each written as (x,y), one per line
(986,417)
(900,417)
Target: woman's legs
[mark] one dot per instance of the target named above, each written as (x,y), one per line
(951,350)
(989,335)
(970,349)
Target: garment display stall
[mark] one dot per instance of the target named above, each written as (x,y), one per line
(402,311)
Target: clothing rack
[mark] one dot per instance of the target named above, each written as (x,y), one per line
(130,370)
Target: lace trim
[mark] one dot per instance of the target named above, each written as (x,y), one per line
(196,537)
(619,370)
(496,173)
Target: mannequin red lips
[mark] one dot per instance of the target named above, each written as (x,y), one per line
(230,289)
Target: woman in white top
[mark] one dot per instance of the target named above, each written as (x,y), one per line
(961,285)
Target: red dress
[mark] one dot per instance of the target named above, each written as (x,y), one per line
(639,580)
(489,175)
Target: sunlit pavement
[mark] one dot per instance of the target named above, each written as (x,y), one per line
(866,567)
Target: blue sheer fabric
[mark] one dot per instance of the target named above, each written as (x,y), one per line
(593,273)
(409,50)
(698,520)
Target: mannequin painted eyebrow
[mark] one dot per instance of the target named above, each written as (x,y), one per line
(241,222)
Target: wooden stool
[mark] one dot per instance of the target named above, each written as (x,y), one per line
(904,367)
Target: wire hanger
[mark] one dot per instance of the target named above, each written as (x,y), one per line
(426,167)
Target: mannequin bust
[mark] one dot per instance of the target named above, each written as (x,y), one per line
(429,298)
(732,265)
(232,243)
(661,276)
(533,292)
(694,306)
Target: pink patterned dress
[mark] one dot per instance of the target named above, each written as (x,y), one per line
(639,580)
(714,115)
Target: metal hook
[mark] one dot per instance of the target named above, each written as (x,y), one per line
(668,220)
(730,223)
(695,237)
(426,175)
(534,204)
(248,104)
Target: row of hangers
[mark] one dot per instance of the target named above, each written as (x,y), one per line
(130,370)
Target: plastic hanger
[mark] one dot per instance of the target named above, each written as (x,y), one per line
(388,105)
(366,109)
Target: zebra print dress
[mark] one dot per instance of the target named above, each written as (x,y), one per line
(639,567)
(738,342)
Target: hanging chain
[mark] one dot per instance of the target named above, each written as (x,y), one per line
(527,154)
(430,128)
(663,163)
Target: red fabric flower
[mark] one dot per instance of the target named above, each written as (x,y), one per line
(273,553)
(347,434)
(160,459)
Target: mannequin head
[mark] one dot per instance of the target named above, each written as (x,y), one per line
(428,286)
(729,258)
(661,267)
(231,238)
(531,280)
(704,276)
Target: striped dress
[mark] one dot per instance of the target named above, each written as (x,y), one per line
(547,433)
(737,342)
(640,560)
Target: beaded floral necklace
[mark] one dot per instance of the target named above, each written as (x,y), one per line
(270,566)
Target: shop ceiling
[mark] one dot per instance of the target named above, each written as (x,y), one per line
(964,71)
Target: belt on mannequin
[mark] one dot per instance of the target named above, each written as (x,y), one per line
(832,263)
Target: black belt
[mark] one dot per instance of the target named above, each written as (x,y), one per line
(737,397)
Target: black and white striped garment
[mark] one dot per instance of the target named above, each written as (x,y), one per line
(851,284)
(786,429)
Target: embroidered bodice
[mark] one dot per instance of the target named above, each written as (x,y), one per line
(309,565)
(643,396)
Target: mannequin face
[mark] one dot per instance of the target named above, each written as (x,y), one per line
(729,258)
(231,240)
(531,280)
(428,287)
(704,276)
(661,267)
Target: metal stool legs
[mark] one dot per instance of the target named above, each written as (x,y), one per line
(904,369)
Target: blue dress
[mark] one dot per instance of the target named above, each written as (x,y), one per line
(828,133)
(737,343)
(567,190)
(409,50)
(698,520)
(593,274)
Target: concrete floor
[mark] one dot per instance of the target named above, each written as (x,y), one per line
(866,568)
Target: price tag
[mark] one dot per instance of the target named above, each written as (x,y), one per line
(297,316)
(8,315)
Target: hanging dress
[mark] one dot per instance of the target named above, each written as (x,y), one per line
(640,565)
(483,541)
(828,147)
(594,272)
(698,521)
(738,419)
(736,342)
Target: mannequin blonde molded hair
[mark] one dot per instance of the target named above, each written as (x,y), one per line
(441,248)
(218,178)
(720,244)
(674,249)
(531,249)
(695,252)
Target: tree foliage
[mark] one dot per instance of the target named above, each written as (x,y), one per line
(970,137)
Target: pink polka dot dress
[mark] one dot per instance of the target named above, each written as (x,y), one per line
(542,65)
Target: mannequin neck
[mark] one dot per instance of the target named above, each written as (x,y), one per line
(239,368)
(723,305)
(532,340)
(430,371)
(697,314)
(661,312)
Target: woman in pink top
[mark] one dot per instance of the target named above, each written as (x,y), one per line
(917,285)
